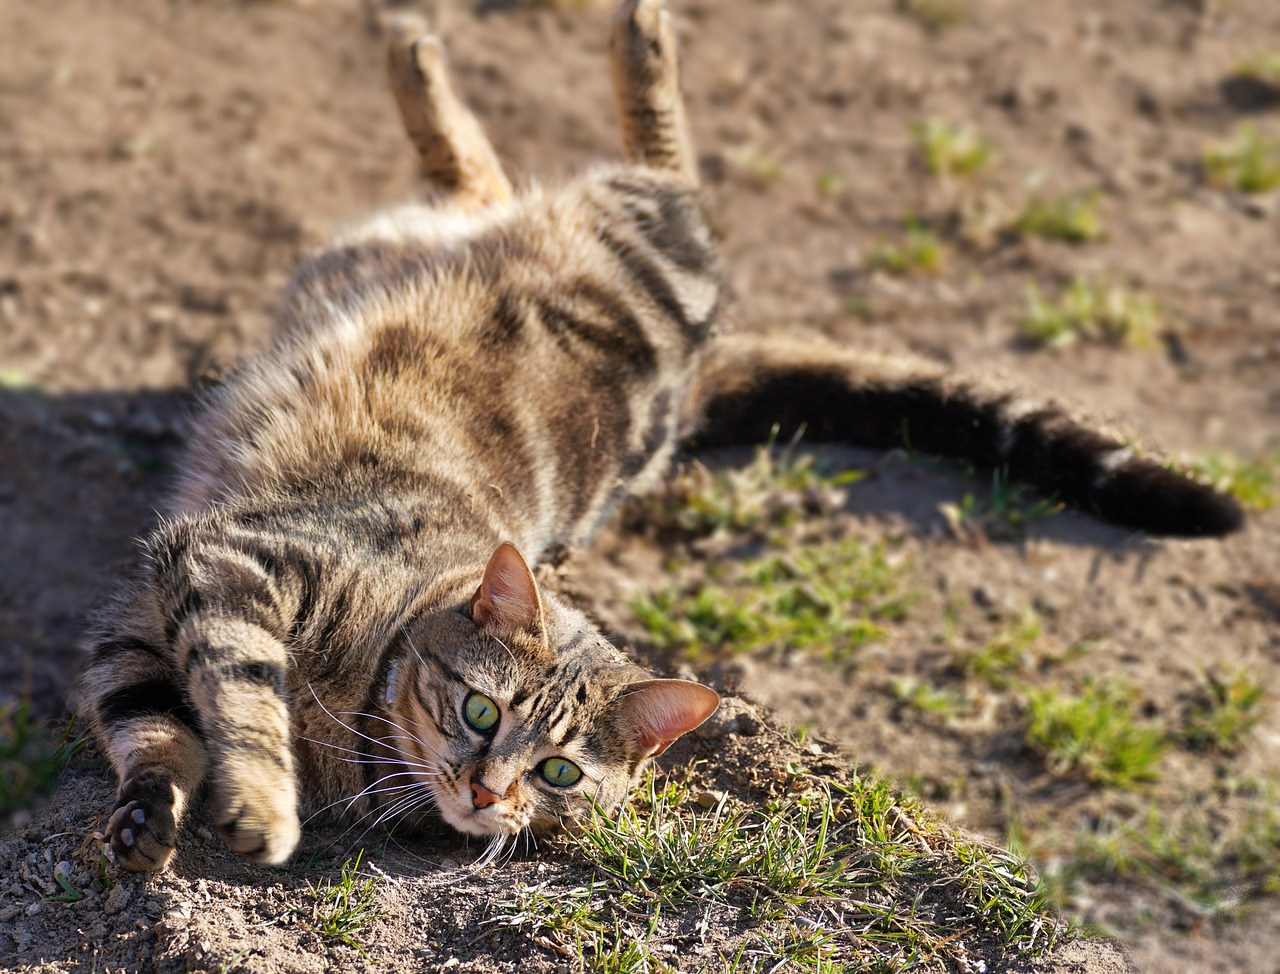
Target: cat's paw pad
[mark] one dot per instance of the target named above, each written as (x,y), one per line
(258,822)
(143,835)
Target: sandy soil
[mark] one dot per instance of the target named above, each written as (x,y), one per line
(162,163)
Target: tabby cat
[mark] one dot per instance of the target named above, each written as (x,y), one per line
(339,607)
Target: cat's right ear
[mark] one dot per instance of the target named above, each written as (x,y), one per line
(507,599)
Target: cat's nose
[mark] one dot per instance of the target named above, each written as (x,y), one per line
(482,797)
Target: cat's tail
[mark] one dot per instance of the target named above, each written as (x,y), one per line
(750,385)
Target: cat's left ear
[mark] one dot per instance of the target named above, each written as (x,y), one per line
(656,712)
(507,599)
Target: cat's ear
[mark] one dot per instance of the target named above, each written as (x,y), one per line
(655,712)
(507,599)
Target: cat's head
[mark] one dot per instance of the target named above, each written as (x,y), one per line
(517,713)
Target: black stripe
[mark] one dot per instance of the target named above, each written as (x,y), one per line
(188,604)
(656,286)
(113,649)
(506,323)
(152,698)
(674,235)
(268,675)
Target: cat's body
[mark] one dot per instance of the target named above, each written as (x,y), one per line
(338,601)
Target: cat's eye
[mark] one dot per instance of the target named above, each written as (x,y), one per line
(481,712)
(560,772)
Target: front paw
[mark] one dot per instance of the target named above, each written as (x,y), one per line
(143,831)
(256,815)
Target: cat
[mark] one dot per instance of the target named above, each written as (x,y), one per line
(338,610)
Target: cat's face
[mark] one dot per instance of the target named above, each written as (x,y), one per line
(516,713)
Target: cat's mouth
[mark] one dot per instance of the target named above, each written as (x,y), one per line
(493,820)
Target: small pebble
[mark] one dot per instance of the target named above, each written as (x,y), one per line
(117,898)
(33,909)
(710,799)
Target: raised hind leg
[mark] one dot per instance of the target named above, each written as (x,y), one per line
(456,156)
(646,85)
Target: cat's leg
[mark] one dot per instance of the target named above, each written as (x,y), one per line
(646,85)
(456,156)
(129,695)
(235,672)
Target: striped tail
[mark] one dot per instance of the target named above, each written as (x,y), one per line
(749,385)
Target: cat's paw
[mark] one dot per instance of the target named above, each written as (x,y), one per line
(256,815)
(142,829)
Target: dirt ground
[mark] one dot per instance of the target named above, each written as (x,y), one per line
(162,163)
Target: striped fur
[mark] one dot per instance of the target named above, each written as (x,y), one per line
(340,600)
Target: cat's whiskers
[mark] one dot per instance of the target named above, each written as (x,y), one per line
(363,758)
(368,791)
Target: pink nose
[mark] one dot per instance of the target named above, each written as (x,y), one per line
(482,797)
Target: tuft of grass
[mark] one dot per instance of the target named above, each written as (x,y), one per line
(937,15)
(1070,218)
(756,163)
(1002,514)
(827,599)
(830,876)
(1209,859)
(341,908)
(32,755)
(1094,734)
(921,253)
(951,151)
(1248,163)
(1264,69)
(1091,311)
(1009,651)
(1228,708)
(1254,483)
(829,182)
(778,487)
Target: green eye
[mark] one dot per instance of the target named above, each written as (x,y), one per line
(481,712)
(560,772)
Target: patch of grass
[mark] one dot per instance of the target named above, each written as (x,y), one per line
(828,599)
(1212,859)
(14,381)
(951,151)
(779,486)
(1248,163)
(1264,69)
(756,163)
(341,908)
(32,755)
(1094,734)
(937,15)
(921,253)
(1002,514)
(1091,311)
(858,307)
(1009,651)
(946,702)
(831,876)
(829,182)
(1254,483)
(1228,708)
(1070,218)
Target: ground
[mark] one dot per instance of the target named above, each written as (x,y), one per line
(163,163)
